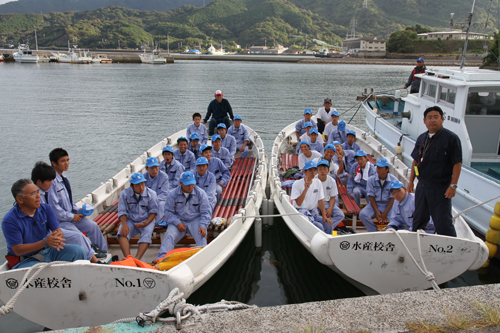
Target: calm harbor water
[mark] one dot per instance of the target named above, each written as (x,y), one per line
(107,115)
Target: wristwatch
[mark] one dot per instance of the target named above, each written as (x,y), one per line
(453,186)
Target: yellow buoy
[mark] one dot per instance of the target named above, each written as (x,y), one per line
(493,234)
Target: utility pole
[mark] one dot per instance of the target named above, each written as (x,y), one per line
(168,43)
(118,44)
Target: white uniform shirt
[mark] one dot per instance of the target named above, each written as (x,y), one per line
(303,159)
(334,167)
(313,195)
(308,138)
(324,115)
(329,187)
(329,128)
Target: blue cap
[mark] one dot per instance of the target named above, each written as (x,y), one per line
(383,163)
(215,137)
(360,153)
(334,113)
(308,111)
(237,117)
(86,210)
(194,136)
(351,132)
(341,125)
(309,165)
(420,60)
(151,162)
(221,125)
(313,130)
(335,143)
(187,178)
(323,162)
(182,138)
(201,161)
(304,142)
(137,178)
(308,124)
(168,148)
(395,185)
(331,146)
(205,147)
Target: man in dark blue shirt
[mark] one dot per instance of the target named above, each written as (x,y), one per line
(32,231)
(437,162)
(219,108)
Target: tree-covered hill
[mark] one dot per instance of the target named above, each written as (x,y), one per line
(231,21)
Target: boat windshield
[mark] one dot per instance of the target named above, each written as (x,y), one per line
(484,101)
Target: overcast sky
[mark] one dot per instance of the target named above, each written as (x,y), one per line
(4,1)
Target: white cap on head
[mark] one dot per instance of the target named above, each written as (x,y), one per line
(218,92)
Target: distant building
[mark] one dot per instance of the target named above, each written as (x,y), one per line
(452,34)
(265,50)
(364,44)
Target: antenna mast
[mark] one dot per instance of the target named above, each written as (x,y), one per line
(365,4)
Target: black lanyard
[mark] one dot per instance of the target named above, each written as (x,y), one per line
(426,145)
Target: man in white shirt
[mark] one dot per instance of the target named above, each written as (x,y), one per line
(331,192)
(331,126)
(308,197)
(307,154)
(323,115)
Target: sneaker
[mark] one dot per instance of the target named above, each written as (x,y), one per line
(100,255)
(346,230)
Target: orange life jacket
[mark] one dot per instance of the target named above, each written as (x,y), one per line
(132,262)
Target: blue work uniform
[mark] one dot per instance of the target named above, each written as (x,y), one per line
(201,130)
(72,235)
(336,135)
(318,146)
(401,217)
(354,147)
(299,126)
(223,155)
(174,171)
(192,210)
(382,195)
(208,184)
(229,142)
(61,201)
(240,134)
(349,160)
(196,150)
(219,112)
(188,160)
(137,209)
(358,189)
(19,228)
(160,186)
(221,174)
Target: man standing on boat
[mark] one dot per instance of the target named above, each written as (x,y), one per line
(219,108)
(414,82)
(437,162)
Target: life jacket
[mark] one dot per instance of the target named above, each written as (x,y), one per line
(421,70)
(130,261)
(175,257)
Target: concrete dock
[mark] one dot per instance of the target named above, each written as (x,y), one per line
(382,313)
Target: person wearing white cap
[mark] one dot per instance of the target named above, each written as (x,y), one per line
(308,197)
(137,208)
(323,114)
(380,199)
(240,134)
(358,177)
(187,211)
(401,216)
(218,109)
(157,181)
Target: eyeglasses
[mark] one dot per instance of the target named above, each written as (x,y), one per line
(433,117)
(32,194)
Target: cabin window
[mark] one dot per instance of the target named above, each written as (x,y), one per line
(429,90)
(447,95)
(483,101)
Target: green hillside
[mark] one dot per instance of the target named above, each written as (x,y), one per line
(231,21)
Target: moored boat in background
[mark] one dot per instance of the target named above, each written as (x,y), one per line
(101,59)
(75,55)
(25,55)
(153,58)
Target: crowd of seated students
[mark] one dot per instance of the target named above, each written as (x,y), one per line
(339,157)
(45,225)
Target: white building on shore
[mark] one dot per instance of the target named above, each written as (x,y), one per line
(452,34)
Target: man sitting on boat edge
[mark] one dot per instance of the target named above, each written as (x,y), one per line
(187,210)
(32,231)
(137,208)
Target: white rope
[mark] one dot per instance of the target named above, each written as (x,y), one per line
(480,204)
(428,275)
(261,131)
(257,216)
(9,306)
(177,306)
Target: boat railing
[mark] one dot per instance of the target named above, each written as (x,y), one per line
(475,206)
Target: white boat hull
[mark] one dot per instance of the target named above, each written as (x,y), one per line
(378,262)
(100,294)
(25,58)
